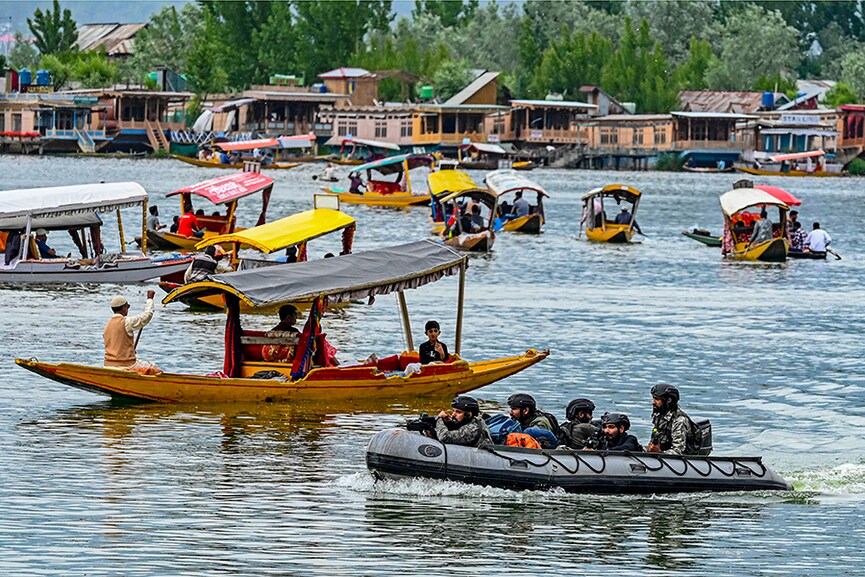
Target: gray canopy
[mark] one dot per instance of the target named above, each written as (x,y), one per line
(348,277)
(63,222)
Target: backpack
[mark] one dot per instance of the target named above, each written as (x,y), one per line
(554,422)
(501,426)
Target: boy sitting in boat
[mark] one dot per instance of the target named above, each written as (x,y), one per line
(433,351)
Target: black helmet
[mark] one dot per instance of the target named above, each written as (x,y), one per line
(578,405)
(522,401)
(467,404)
(664,391)
(617,419)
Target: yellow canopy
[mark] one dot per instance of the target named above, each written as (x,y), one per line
(453,183)
(611,189)
(287,231)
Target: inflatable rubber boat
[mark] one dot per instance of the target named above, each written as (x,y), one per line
(398,453)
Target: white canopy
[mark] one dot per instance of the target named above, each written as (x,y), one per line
(508,180)
(487,148)
(78,198)
(742,198)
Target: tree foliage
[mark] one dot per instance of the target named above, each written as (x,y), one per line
(841,93)
(451,77)
(853,72)
(674,24)
(54,30)
(166,41)
(22,54)
(453,13)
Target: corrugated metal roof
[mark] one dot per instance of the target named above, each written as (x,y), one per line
(553,104)
(633,117)
(472,89)
(116,38)
(723,101)
(345,73)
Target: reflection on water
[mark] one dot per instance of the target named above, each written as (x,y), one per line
(771,353)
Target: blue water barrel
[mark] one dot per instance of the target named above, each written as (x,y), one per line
(768,100)
(43,77)
(25,77)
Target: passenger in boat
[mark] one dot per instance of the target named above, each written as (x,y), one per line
(473,222)
(119,331)
(615,434)
(13,248)
(625,217)
(355,183)
(579,427)
(188,225)
(505,210)
(673,432)
(762,228)
(45,251)
(521,205)
(203,154)
(534,422)
(433,350)
(175,223)
(329,173)
(792,217)
(202,266)
(798,237)
(463,426)
(287,319)
(153,219)
(289,256)
(818,239)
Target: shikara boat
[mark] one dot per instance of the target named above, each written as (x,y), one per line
(239,147)
(391,193)
(223,190)
(806,255)
(76,209)
(703,236)
(292,231)
(600,227)
(480,156)
(357,151)
(399,454)
(299,361)
(811,163)
(524,165)
(507,182)
(707,169)
(737,243)
(453,193)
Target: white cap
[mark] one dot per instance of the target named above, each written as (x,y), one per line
(118,302)
(41,232)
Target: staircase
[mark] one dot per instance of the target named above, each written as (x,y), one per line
(566,157)
(156,136)
(85,143)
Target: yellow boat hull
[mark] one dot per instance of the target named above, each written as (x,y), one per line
(760,172)
(396,200)
(238,166)
(529,224)
(614,233)
(338,384)
(774,250)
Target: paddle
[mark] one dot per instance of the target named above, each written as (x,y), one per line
(833,253)
(150,295)
(315,177)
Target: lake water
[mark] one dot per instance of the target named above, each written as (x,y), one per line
(770,352)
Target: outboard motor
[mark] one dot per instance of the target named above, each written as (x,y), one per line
(705,427)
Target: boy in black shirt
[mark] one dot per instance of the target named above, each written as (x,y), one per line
(433,350)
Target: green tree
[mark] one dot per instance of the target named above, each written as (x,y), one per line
(166,41)
(691,75)
(93,70)
(488,40)
(54,31)
(205,73)
(451,77)
(452,13)
(232,37)
(841,93)
(853,72)
(756,43)
(59,67)
(22,54)
(276,41)
(576,59)
(674,24)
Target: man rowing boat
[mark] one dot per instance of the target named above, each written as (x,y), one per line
(118,335)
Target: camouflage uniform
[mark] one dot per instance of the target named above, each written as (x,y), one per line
(474,433)
(673,432)
(538,420)
(574,434)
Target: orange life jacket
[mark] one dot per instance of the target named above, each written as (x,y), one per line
(522,440)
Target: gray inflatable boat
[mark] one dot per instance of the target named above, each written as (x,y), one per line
(397,453)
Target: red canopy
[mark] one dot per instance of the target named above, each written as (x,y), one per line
(228,188)
(780,194)
(798,155)
(247,144)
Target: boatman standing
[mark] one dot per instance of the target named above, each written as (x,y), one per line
(119,334)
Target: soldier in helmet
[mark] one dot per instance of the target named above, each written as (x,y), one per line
(579,427)
(673,431)
(534,422)
(616,437)
(463,426)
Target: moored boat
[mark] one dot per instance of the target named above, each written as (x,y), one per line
(599,226)
(76,209)
(480,156)
(398,453)
(390,193)
(811,163)
(453,197)
(738,242)
(237,148)
(299,361)
(506,182)
(703,236)
(358,151)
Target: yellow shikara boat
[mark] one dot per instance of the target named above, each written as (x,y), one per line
(448,190)
(738,242)
(236,166)
(238,147)
(292,231)
(505,182)
(223,190)
(599,226)
(380,192)
(359,275)
(788,165)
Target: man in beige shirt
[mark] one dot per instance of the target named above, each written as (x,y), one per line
(119,334)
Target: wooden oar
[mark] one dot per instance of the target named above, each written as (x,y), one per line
(833,253)
(137,338)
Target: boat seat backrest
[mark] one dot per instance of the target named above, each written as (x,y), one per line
(32,248)
(384,187)
(271,345)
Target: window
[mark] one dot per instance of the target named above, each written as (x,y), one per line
(499,126)
(405,129)
(381,129)
(609,136)
(660,136)
(341,128)
(16,122)
(637,138)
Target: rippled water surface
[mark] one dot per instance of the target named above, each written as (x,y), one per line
(771,353)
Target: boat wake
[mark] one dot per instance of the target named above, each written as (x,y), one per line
(845,479)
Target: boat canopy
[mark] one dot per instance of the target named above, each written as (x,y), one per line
(286,232)
(64,222)
(629,193)
(247,144)
(393,164)
(483,147)
(739,199)
(342,278)
(225,189)
(300,141)
(780,194)
(797,155)
(450,184)
(362,142)
(68,200)
(505,181)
